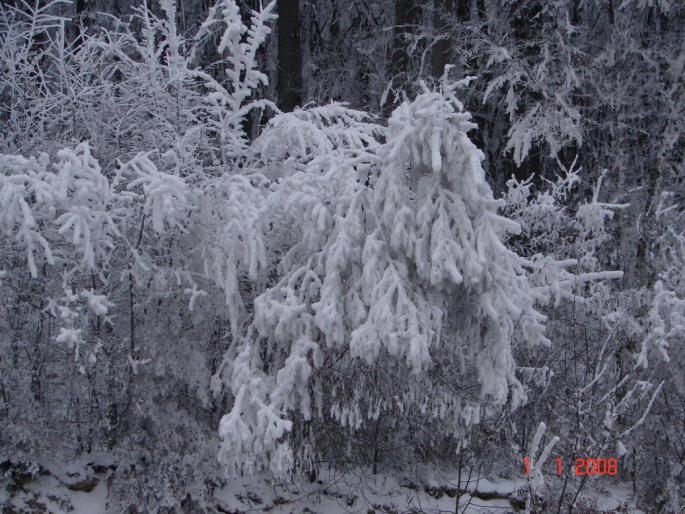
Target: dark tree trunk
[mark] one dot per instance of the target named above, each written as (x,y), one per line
(441,49)
(407,16)
(289,86)
(81,21)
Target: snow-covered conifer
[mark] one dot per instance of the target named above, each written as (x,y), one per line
(386,262)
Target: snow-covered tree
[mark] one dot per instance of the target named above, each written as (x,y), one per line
(395,293)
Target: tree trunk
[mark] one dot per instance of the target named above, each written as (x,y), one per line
(81,21)
(407,16)
(441,48)
(289,85)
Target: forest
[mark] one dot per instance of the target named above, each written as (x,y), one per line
(338,256)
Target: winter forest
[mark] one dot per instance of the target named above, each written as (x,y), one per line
(331,256)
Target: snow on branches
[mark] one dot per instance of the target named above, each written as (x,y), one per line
(71,196)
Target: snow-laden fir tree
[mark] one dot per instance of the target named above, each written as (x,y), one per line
(396,295)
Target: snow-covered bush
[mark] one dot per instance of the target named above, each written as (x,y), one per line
(597,374)
(119,253)
(387,242)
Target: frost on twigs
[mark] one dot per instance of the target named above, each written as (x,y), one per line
(165,195)
(227,103)
(316,136)
(538,458)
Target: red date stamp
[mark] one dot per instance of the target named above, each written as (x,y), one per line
(584,467)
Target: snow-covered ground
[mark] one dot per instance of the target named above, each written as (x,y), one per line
(81,488)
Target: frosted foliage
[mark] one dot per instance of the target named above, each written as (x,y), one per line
(227,104)
(252,429)
(316,136)
(558,268)
(231,238)
(440,213)
(71,194)
(165,195)
(538,458)
(541,214)
(26,179)
(665,325)
(377,267)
